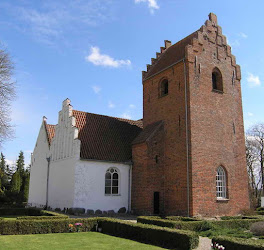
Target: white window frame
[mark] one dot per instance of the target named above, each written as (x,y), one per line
(113,171)
(221,187)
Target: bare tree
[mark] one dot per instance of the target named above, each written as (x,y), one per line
(253,171)
(7,94)
(256,134)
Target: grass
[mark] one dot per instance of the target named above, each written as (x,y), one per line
(90,240)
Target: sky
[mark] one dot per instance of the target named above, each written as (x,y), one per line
(93,52)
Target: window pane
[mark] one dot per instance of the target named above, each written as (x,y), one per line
(115,183)
(107,175)
(115,176)
(108,183)
(115,190)
(107,190)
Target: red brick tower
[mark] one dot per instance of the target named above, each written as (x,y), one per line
(190,157)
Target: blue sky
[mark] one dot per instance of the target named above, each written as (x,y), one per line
(93,52)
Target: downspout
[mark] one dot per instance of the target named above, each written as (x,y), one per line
(47,189)
(129,188)
(187,139)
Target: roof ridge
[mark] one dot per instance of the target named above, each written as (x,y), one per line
(108,116)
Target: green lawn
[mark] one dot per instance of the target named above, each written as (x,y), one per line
(90,240)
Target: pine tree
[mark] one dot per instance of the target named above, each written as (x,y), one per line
(20,163)
(16,183)
(3,172)
(26,186)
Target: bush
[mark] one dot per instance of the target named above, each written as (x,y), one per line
(260,209)
(164,237)
(198,225)
(20,211)
(239,244)
(258,228)
(44,226)
(181,218)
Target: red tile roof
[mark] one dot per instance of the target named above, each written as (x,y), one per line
(148,132)
(170,56)
(50,129)
(106,138)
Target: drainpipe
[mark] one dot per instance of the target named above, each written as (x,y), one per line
(47,189)
(187,139)
(129,188)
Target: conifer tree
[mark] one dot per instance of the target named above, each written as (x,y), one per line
(20,163)
(16,183)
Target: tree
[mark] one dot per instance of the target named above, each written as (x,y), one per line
(256,135)
(20,163)
(16,183)
(7,94)
(253,171)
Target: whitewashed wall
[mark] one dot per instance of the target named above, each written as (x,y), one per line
(90,186)
(65,151)
(38,174)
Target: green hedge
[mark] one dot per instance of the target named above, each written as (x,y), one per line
(238,243)
(164,237)
(198,225)
(44,226)
(181,218)
(44,215)
(20,211)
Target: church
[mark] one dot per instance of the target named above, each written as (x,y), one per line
(185,157)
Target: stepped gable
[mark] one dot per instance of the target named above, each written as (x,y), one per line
(106,138)
(168,55)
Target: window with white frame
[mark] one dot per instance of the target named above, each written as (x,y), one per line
(112,182)
(221,183)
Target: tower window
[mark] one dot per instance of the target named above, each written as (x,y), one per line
(164,87)
(221,183)
(217,82)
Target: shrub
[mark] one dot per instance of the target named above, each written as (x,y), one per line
(239,244)
(248,212)
(181,218)
(164,237)
(20,211)
(44,226)
(260,209)
(198,225)
(258,228)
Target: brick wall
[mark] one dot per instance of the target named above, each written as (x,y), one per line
(215,133)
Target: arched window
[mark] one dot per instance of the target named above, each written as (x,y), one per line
(164,87)
(221,183)
(217,81)
(111,181)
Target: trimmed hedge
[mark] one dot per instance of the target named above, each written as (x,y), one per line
(181,218)
(198,225)
(238,243)
(20,211)
(44,215)
(12,227)
(164,237)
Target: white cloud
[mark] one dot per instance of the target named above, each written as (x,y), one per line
(132,106)
(99,59)
(126,116)
(111,105)
(250,114)
(243,35)
(10,162)
(152,4)
(53,20)
(96,89)
(253,80)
